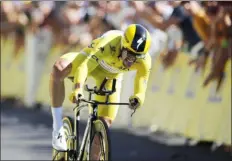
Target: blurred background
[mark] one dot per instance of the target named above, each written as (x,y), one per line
(187,111)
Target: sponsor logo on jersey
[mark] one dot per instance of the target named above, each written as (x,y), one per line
(112,49)
(91,45)
(124,68)
(95,57)
(102,49)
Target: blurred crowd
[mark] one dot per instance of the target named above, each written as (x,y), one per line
(203,29)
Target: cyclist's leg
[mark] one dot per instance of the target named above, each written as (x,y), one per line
(63,67)
(106,112)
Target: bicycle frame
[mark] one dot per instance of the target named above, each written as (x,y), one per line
(87,132)
(78,152)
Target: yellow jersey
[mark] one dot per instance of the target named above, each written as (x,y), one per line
(103,54)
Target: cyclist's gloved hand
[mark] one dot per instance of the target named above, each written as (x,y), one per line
(134,103)
(75,96)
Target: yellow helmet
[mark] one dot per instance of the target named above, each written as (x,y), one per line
(136,39)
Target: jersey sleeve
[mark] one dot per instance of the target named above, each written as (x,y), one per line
(141,79)
(87,62)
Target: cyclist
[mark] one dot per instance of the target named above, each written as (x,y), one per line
(110,55)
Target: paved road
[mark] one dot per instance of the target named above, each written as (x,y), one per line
(26,135)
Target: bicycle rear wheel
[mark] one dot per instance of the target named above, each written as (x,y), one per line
(68,129)
(101,130)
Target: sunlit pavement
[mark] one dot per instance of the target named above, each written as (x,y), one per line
(26,135)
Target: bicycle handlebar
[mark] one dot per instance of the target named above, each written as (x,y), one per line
(102,91)
(103,103)
(94,102)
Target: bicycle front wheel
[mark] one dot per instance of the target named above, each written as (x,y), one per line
(68,129)
(100,131)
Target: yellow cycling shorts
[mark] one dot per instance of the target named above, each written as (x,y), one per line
(108,111)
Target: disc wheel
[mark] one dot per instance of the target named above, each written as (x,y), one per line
(100,131)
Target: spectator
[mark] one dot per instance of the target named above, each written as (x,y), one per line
(182,19)
(201,24)
(220,40)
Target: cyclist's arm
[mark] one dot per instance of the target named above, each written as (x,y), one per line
(87,62)
(141,79)
(158,21)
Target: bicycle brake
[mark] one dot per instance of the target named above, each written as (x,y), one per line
(133,112)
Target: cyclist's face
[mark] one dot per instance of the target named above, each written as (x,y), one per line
(128,58)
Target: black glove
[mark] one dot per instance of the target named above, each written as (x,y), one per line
(134,103)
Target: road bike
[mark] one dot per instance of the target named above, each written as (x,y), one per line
(95,127)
